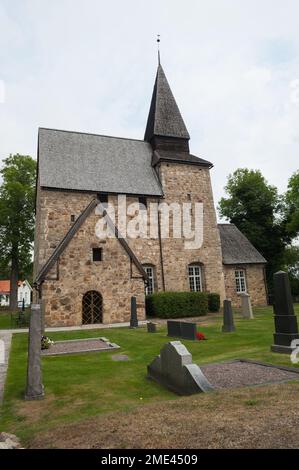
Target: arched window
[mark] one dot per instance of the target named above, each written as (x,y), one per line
(92,307)
(150,285)
(195,277)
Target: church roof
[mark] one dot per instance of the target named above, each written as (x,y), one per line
(164,117)
(236,248)
(88,162)
(178,157)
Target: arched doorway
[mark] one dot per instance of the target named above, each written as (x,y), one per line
(92,307)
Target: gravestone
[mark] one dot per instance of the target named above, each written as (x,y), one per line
(228,318)
(173,328)
(151,327)
(246,308)
(188,330)
(133,319)
(34,387)
(286,327)
(174,369)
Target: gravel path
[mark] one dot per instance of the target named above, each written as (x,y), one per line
(6,338)
(241,374)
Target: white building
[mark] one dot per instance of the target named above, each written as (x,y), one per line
(24,292)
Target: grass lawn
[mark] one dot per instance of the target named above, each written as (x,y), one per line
(80,387)
(5,320)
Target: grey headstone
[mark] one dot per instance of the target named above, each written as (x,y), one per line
(133,319)
(174,369)
(228,318)
(286,327)
(188,330)
(151,327)
(34,388)
(246,308)
(174,328)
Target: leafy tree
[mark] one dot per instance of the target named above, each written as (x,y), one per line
(292,205)
(17,194)
(291,265)
(255,208)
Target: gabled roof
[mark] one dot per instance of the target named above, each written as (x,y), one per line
(236,248)
(5,286)
(164,117)
(178,157)
(88,162)
(41,277)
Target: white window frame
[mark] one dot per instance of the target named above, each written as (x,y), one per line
(150,286)
(195,277)
(240,281)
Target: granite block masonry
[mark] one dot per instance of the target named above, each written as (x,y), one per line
(286,327)
(228,318)
(174,369)
(34,388)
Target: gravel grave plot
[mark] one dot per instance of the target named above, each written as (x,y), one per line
(79,346)
(241,374)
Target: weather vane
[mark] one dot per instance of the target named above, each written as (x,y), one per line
(158,42)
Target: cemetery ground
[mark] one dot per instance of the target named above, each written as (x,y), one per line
(93,401)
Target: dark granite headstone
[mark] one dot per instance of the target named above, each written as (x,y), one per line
(174,328)
(286,327)
(188,330)
(228,318)
(174,369)
(133,319)
(151,327)
(34,388)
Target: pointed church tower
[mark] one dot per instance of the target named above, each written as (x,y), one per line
(165,127)
(185,178)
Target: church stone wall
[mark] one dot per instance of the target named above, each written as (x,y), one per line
(77,272)
(255,281)
(191,183)
(112,276)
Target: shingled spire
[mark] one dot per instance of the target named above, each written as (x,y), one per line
(165,127)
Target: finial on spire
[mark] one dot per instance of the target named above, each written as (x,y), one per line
(158,42)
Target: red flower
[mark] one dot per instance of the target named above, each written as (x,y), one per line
(200,336)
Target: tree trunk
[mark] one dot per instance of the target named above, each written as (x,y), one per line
(14,277)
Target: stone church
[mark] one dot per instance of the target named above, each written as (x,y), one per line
(83,279)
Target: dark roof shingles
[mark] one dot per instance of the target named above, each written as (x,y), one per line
(164,117)
(236,248)
(179,157)
(89,162)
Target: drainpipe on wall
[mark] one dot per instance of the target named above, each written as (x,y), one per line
(161,251)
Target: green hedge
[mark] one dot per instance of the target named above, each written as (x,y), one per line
(177,304)
(214,302)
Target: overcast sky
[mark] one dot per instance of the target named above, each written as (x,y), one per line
(89,65)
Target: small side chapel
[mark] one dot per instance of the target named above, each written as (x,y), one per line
(82,279)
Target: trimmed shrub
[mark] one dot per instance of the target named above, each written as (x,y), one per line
(177,304)
(214,302)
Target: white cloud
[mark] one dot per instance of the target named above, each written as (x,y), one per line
(90,66)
